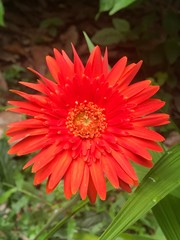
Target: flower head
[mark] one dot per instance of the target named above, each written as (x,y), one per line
(87,125)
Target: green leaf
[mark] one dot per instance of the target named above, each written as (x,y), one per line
(84,236)
(88,41)
(105,5)
(1,13)
(108,36)
(167,213)
(170,19)
(121,25)
(126,236)
(6,163)
(4,197)
(120,4)
(160,180)
(51,22)
(63,221)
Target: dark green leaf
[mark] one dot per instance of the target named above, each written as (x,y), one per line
(125,236)
(171,23)
(167,213)
(108,36)
(121,25)
(172,50)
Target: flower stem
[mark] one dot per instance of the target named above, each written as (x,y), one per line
(57,215)
(64,220)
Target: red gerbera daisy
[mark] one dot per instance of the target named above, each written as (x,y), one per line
(87,125)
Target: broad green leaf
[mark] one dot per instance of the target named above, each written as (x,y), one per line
(167,213)
(121,25)
(107,36)
(126,236)
(1,13)
(160,180)
(120,4)
(88,41)
(4,197)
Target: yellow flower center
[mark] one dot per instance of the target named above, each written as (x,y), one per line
(86,120)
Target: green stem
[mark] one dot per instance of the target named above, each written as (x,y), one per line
(64,220)
(28,193)
(57,215)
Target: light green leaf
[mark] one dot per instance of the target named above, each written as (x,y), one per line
(84,236)
(1,13)
(121,25)
(107,36)
(167,213)
(89,42)
(105,5)
(4,197)
(120,4)
(160,180)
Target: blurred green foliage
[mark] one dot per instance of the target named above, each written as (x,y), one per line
(1,13)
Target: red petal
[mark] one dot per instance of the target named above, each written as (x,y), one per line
(110,171)
(146,134)
(53,68)
(124,163)
(67,183)
(78,66)
(134,89)
(34,86)
(105,63)
(92,193)
(128,76)
(60,169)
(116,72)
(43,158)
(156,119)
(77,174)
(44,172)
(26,133)
(84,183)
(134,147)
(138,159)
(147,107)
(125,186)
(145,94)
(28,145)
(98,179)
(65,69)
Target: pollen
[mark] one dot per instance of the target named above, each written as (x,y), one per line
(86,120)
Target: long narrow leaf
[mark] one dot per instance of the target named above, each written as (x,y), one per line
(167,213)
(161,180)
